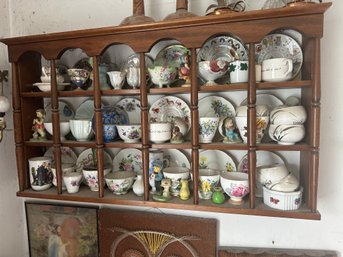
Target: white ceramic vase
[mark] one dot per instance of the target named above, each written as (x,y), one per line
(138,186)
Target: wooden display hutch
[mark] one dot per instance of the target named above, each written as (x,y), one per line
(25,54)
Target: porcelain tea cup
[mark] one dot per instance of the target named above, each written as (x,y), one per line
(175,174)
(207,128)
(81,129)
(130,133)
(160,132)
(72,181)
(286,134)
(119,182)
(91,176)
(163,75)
(277,69)
(239,71)
(64,129)
(208,180)
(212,70)
(288,115)
(235,185)
(261,126)
(66,167)
(117,78)
(78,76)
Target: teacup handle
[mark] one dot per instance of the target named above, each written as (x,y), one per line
(289,63)
(44,72)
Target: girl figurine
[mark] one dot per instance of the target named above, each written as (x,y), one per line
(38,128)
(184,70)
(231,135)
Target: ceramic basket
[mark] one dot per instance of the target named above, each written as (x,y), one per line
(286,201)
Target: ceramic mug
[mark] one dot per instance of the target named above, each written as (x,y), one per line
(277,69)
(66,168)
(239,71)
(40,173)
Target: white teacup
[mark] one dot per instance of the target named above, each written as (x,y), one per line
(116,78)
(207,128)
(72,181)
(277,69)
(81,129)
(66,168)
(239,71)
(160,132)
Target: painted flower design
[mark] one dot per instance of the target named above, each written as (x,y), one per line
(239,191)
(208,127)
(92,181)
(206,186)
(221,109)
(202,162)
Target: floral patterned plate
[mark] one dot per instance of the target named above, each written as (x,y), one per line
(216,159)
(85,111)
(86,159)
(223,47)
(132,107)
(280,45)
(172,55)
(67,154)
(129,159)
(216,106)
(176,158)
(169,107)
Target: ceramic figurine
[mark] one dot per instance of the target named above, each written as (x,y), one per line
(184,191)
(39,132)
(185,70)
(177,136)
(231,136)
(2,126)
(165,184)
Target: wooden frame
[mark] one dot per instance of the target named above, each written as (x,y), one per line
(54,230)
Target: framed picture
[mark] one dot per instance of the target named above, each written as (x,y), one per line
(59,230)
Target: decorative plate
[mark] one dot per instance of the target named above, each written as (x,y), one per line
(216,106)
(268,99)
(67,154)
(223,47)
(86,159)
(216,159)
(85,111)
(65,110)
(172,55)
(114,115)
(132,107)
(176,158)
(280,45)
(262,158)
(129,159)
(169,107)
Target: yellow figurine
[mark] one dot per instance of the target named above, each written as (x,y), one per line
(184,191)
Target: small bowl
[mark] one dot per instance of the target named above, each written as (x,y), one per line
(268,175)
(160,132)
(212,70)
(131,133)
(175,174)
(286,201)
(90,175)
(78,76)
(261,126)
(66,168)
(64,129)
(290,183)
(286,134)
(235,185)
(288,115)
(163,75)
(119,182)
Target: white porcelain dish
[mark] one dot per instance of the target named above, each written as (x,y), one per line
(217,160)
(129,159)
(286,201)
